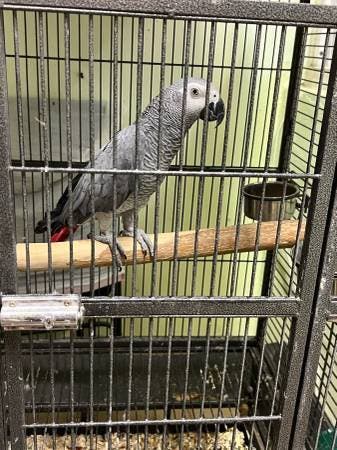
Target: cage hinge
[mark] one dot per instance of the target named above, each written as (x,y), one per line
(41,312)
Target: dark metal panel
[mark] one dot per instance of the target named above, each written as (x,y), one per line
(13,370)
(235,10)
(318,214)
(188,307)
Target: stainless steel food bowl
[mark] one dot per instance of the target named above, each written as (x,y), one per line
(272,200)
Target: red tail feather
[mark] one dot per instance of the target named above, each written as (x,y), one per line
(62,234)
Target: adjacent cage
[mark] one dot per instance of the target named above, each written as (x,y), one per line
(204,345)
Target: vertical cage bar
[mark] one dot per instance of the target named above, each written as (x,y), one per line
(91,380)
(52,385)
(113,130)
(205,377)
(159,150)
(187,376)
(278,74)
(177,225)
(130,377)
(222,375)
(253,80)
(240,98)
(69,143)
(71,384)
(139,95)
(12,341)
(211,51)
(92,147)
(21,144)
(44,126)
(258,386)
(110,381)
(242,374)
(149,381)
(278,374)
(29,132)
(316,236)
(32,383)
(224,157)
(167,380)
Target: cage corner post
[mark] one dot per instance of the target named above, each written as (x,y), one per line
(322,297)
(309,324)
(11,364)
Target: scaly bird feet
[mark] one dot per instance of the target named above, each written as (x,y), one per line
(119,254)
(141,237)
(143,240)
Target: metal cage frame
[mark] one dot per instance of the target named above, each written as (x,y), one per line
(309,311)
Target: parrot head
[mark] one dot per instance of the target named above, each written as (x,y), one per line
(196,104)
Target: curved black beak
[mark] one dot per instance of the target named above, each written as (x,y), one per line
(216,111)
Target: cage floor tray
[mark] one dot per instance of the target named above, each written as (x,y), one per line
(137,441)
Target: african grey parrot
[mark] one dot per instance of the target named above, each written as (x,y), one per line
(171,109)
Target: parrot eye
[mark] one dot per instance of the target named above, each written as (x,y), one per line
(195,92)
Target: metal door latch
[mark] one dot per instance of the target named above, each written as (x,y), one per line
(41,312)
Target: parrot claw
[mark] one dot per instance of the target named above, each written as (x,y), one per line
(143,240)
(119,254)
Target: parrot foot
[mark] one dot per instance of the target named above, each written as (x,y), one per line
(119,254)
(142,238)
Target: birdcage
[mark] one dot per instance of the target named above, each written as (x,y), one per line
(224,338)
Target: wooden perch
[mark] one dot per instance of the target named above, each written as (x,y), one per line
(226,244)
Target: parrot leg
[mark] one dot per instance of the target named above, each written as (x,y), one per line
(141,237)
(119,255)
(128,230)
